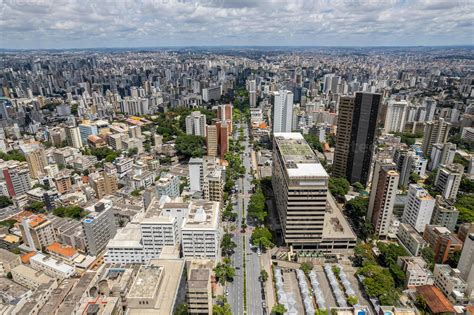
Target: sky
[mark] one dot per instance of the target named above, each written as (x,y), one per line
(41,24)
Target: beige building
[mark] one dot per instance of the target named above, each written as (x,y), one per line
(435,132)
(35,157)
(211,140)
(103,184)
(448,179)
(37,232)
(199,290)
(28,277)
(416,271)
(8,261)
(214,186)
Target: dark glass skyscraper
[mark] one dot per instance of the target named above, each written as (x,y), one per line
(356,126)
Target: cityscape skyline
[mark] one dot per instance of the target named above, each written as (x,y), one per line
(44,24)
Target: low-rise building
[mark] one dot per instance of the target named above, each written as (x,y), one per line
(102,305)
(8,261)
(52,267)
(29,277)
(416,272)
(410,238)
(449,281)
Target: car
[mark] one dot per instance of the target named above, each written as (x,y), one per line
(226,292)
(237,268)
(259,252)
(264,304)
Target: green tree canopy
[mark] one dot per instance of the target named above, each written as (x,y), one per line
(279,309)
(224,272)
(256,207)
(465,205)
(261,236)
(74,212)
(12,155)
(338,186)
(190,145)
(227,244)
(5,201)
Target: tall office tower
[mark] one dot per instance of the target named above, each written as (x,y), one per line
(224,114)
(382,196)
(103,183)
(419,208)
(73,137)
(36,158)
(211,140)
(448,179)
(282,111)
(435,132)
(252,86)
(466,263)
(17,179)
(445,213)
(99,227)
(196,124)
(300,184)
(356,126)
(395,116)
(442,153)
(223,139)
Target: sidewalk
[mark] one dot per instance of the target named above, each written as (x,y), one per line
(265,263)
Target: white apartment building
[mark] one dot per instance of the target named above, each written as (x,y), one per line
(168,185)
(196,174)
(448,180)
(196,124)
(416,272)
(449,281)
(395,117)
(411,239)
(29,277)
(51,267)
(282,111)
(419,207)
(466,263)
(442,153)
(200,234)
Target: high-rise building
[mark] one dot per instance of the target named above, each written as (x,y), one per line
(408,162)
(224,114)
(17,179)
(199,291)
(99,227)
(212,140)
(223,139)
(35,157)
(37,232)
(73,137)
(196,124)
(382,196)
(356,127)
(196,174)
(466,263)
(395,116)
(448,179)
(435,132)
(213,186)
(252,88)
(300,184)
(419,207)
(103,183)
(445,213)
(282,111)
(442,241)
(87,129)
(168,185)
(442,153)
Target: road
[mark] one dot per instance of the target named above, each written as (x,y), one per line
(243,251)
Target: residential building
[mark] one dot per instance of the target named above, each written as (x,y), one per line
(103,183)
(409,161)
(37,232)
(411,239)
(212,140)
(416,271)
(419,207)
(382,196)
(35,157)
(48,197)
(445,213)
(466,263)
(51,267)
(87,129)
(8,261)
(99,227)
(467,134)
(200,232)
(442,154)
(300,185)
(224,114)
(442,241)
(196,124)
(213,186)
(101,305)
(395,116)
(63,182)
(435,132)
(282,111)
(199,290)
(252,89)
(29,277)
(73,137)
(196,174)
(17,179)
(168,185)
(449,281)
(355,136)
(224,128)
(436,302)
(448,179)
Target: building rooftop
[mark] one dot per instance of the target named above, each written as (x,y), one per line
(6,256)
(28,272)
(298,157)
(64,251)
(52,263)
(146,282)
(203,214)
(335,224)
(10,289)
(129,236)
(435,299)
(69,303)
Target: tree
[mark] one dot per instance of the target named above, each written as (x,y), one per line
(35,206)
(222,307)
(132,151)
(352,300)
(74,212)
(8,223)
(15,155)
(313,142)
(224,272)
(356,209)
(135,193)
(279,309)
(428,255)
(467,185)
(190,145)
(363,254)
(5,202)
(9,275)
(414,178)
(306,267)
(263,275)
(339,186)
(262,237)
(389,253)
(227,245)
(465,205)
(181,309)
(358,187)
(453,259)
(378,280)
(256,207)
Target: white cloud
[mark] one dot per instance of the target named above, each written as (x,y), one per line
(119,23)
